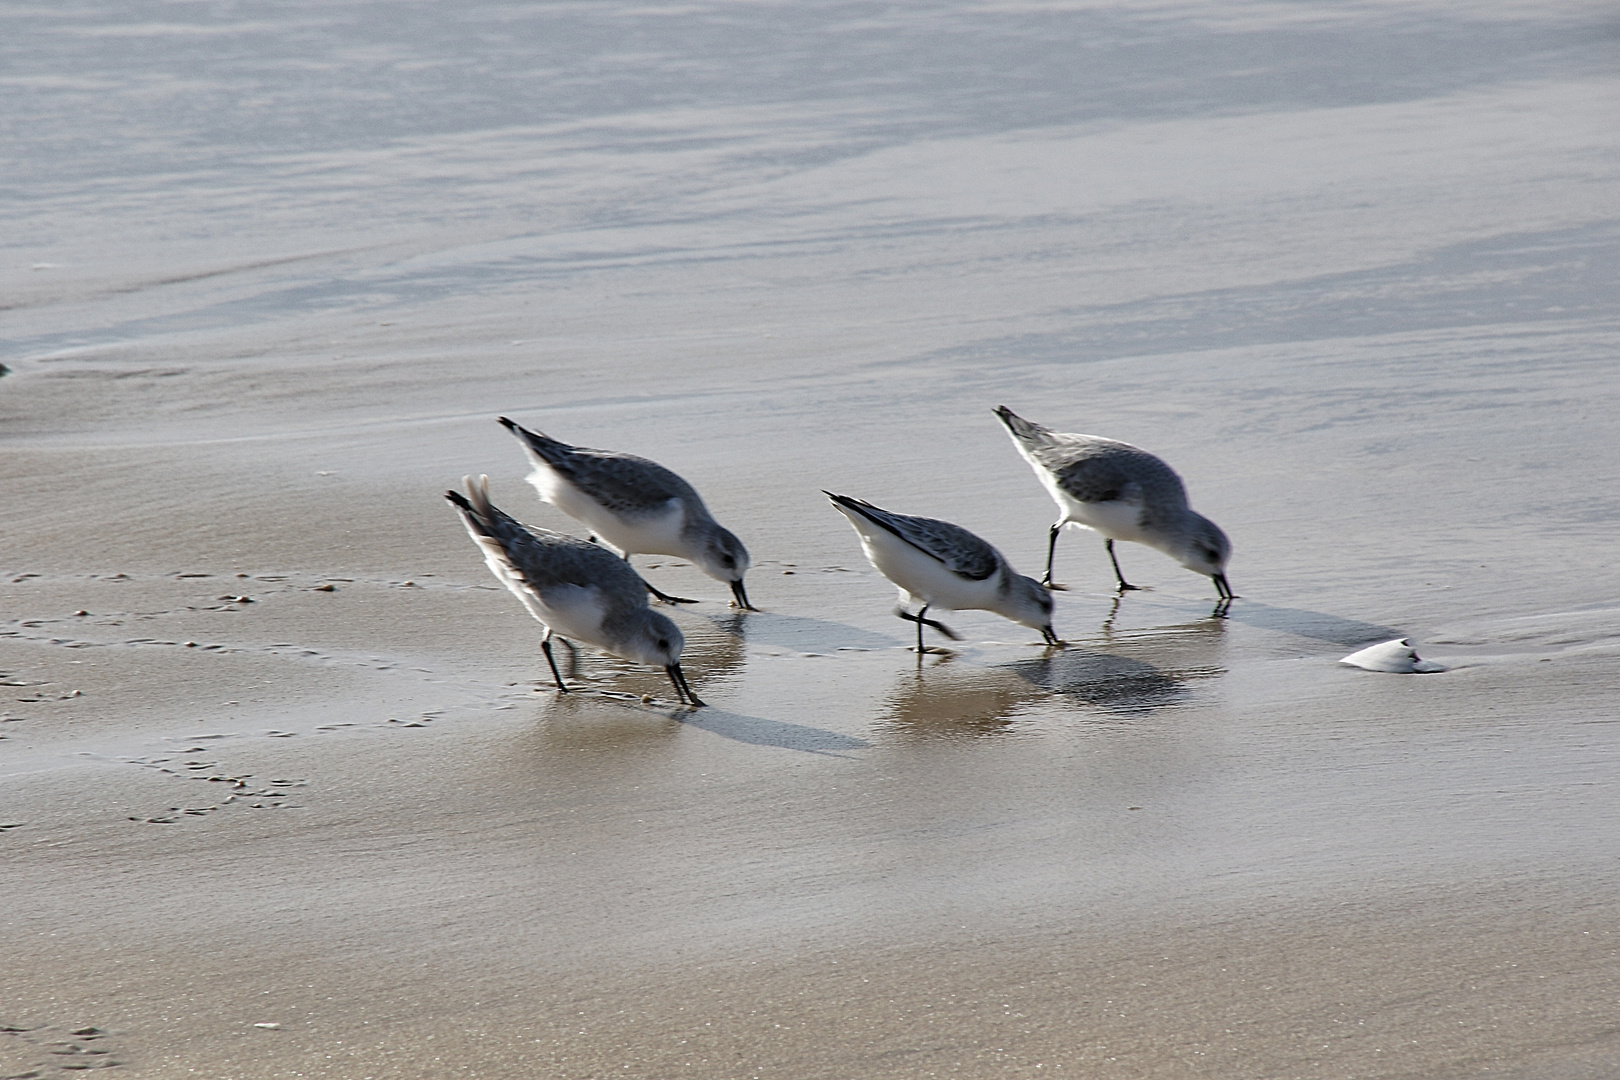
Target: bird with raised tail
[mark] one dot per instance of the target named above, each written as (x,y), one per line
(636,505)
(937,564)
(1122,492)
(576,589)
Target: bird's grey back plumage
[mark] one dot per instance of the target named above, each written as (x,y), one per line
(623,483)
(1102,470)
(547,559)
(961,551)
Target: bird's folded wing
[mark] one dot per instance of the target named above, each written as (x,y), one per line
(622,483)
(962,552)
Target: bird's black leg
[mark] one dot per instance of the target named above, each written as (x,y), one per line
(573,658)
(683,689)
(1051,552)
(1123,584)
(545,647)
(922,622)
(664,596)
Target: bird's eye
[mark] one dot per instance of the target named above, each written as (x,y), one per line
(728,562)
(663,643)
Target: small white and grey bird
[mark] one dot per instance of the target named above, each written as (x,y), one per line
(1122,492)
(636,505)
(574,588)
(937,564)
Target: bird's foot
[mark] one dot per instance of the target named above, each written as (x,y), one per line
(1054,586)
(666,598)
(939,626)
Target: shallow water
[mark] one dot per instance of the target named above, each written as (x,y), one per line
(271,272)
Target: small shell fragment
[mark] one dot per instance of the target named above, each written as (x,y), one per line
(1394,656)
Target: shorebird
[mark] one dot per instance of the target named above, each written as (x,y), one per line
(636,505)
(1122,492)
(576,589)
(937,564)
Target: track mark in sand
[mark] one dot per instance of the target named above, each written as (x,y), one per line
(50,1051)
(239,792)
(422,721)
(183,619)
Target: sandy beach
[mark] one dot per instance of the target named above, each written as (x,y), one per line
(285,788)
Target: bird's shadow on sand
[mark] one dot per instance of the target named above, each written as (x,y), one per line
(758,731)
(796,632)
(594,705)
(1310,624)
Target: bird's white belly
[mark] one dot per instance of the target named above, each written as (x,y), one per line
(924,577)
(655,533)
(575,612)
(1116,519)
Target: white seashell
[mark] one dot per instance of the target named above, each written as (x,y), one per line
(1396,656)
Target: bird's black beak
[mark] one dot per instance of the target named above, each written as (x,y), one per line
(1222,588)
(683,689)
(1051,637)
(740,596)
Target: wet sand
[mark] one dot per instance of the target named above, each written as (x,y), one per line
(284,790)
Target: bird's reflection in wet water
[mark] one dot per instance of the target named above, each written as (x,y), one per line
(1119,684)
(1133,671)
(951,699)
(1121,674)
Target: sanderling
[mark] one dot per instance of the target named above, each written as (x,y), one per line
(937,564)
(636,505)
(575,588)
(1122,492)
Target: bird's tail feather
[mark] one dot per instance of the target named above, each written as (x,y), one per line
(482,517)
(538,443)
(1023,430)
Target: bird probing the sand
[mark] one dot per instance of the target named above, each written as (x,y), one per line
(575,589)
(636,505)
(937,564)
(1124,493)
